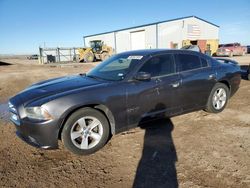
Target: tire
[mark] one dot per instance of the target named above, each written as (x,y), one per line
(89,57)
(104,56)
(217,102)
(85,132)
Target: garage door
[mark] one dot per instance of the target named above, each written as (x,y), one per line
(137,40)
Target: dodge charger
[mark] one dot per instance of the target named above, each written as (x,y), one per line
(85,110)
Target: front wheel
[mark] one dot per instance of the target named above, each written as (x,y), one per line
(89,57)
(86,131)
(218,98)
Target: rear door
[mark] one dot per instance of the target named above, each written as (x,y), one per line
(198,79)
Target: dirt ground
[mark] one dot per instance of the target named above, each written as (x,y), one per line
(193,150)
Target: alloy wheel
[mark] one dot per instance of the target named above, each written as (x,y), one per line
(86,132)
(219,98)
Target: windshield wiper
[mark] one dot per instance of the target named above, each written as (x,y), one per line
(95,77)
(99,78)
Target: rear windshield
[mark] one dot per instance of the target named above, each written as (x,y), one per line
(226,45)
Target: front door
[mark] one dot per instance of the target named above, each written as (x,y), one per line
(142,97)
(156,96)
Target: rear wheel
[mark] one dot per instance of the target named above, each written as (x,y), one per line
(86,131)
(104,56)
(218,98)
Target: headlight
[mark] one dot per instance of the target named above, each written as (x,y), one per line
(11,107)
(38,113)
(227,50)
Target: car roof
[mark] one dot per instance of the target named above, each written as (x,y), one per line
(148,52)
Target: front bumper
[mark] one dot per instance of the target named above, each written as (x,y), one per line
(42,135)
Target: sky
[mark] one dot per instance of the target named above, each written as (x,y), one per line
(27,24)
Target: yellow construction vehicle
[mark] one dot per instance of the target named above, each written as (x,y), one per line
(208,47)
(97,51)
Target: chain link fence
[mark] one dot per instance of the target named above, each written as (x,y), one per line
(58,55)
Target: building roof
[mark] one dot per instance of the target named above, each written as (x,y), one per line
(154,23)
(152,52)
(144,52)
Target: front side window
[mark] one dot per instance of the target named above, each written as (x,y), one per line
(159,65)
(188,62)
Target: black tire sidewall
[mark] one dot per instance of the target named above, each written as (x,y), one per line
(65,135)
(210,107)
(105,56)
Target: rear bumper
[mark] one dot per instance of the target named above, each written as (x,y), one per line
(234,90)
(235,84)
(223,53)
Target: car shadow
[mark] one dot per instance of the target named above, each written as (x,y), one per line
(4,63)
(157,164)
(244,71)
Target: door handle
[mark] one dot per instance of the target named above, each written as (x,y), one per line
(176,84)
(158,80)
(211,76)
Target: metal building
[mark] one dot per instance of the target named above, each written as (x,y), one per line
(174,33)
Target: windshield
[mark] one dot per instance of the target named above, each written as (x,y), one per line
(115,68)
(95,44)
(227,45)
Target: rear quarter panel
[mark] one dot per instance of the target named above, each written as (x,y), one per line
(229,73)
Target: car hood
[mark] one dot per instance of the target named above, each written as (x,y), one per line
(56,86)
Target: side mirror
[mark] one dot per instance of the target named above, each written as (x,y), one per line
(143,76)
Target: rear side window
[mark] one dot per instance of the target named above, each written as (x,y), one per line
(159,65)
(188,62)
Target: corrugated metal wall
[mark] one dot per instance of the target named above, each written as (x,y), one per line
(161,35)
